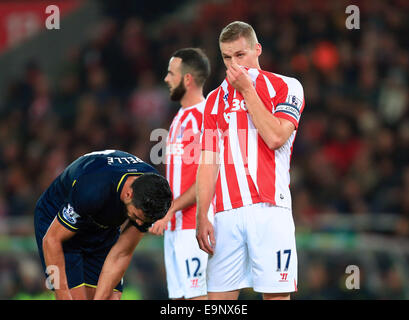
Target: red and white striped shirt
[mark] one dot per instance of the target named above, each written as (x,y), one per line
(249,171)
(182,159)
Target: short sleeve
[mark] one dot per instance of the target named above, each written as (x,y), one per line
(290,101)
(210,134)
(86,198)
(69,218)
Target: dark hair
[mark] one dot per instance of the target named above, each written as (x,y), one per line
(152,194)
(194,61)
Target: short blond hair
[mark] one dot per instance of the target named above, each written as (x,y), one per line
(237,29)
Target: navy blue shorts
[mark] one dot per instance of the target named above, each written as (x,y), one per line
(83,260)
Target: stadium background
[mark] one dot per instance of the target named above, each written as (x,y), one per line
(97,83)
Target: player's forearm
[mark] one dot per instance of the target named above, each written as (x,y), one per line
(267,125)
(186,199)
(206,182)
(117,261)
(112,272)
(54,256)
(205,186)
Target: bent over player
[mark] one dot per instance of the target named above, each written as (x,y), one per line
(78,218)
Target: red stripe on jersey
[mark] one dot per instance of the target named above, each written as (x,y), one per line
(263,93)
(231,175)
(189,218)
(280,87)
(266,176)
(210,141)
(232,183)
(188,171)
(242,125)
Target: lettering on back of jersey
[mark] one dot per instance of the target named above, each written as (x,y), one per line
(123,160)
(69,214)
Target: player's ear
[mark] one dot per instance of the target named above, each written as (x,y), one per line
(259,49)
(187,79)
(128,195)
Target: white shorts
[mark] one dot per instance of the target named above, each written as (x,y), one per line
(185,264)
(255,247)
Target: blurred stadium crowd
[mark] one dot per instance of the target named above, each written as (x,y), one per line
(351,154)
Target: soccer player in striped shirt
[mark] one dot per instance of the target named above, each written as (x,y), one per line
(185,263)
(250,123)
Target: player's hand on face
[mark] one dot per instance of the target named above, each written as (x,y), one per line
(205,235)
(238,77)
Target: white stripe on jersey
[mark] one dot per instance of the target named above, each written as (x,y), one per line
(252,150)
(238,160)
(253,73)
(216,104)
(224,86)
(223,181)
(174,126)
(195,126)
(270,87)
(282,171)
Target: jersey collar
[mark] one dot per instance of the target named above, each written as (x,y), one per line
(122,180)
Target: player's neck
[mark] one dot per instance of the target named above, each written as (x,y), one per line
(191,98)
(126,189)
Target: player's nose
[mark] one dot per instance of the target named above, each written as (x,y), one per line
(166,79)
(168,84)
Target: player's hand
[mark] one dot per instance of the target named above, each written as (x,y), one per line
(159,227)
(238,77)
(205,235)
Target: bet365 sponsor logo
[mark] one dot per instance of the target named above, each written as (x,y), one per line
(175,149)
(237,106)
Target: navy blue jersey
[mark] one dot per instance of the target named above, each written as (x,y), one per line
(86,195)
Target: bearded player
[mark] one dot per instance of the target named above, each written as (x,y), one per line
(184,261)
